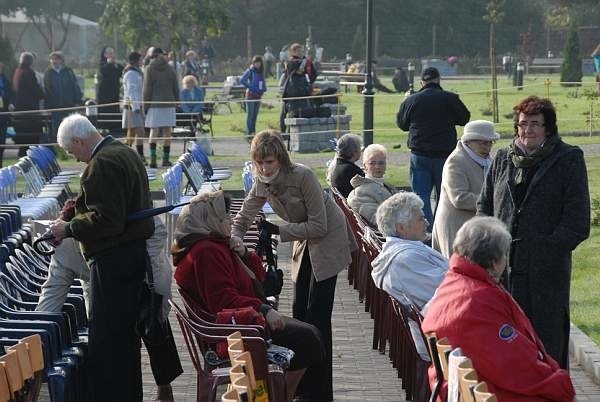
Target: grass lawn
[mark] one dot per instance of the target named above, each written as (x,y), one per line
(573,106)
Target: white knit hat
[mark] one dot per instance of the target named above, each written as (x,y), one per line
(479,130)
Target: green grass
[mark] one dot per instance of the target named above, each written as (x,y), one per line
(573,106)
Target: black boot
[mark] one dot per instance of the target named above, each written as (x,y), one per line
(140,151)
(153,155)
(166,152)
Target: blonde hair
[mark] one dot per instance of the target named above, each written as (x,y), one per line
(189,79)
(269,143)
(190,53)
(372,150)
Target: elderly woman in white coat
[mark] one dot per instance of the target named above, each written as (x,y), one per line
(462,179)
(370,191)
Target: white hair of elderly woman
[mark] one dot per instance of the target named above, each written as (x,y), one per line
(373,149)
(483,240)
(400,208)
(74,126)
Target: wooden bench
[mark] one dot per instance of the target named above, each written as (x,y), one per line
(546,65)
(228,94)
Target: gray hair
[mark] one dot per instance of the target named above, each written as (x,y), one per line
(483,240)
(372,150)
(398,209)
(74,126)
(348,145)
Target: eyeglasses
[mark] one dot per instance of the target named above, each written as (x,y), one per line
(533,125)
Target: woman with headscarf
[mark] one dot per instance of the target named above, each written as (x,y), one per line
(220,273)
(462,179)
(538,187)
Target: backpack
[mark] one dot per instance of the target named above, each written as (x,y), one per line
(297,85)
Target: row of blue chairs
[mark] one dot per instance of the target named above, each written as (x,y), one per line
(63,334)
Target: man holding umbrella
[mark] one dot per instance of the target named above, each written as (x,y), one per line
(113,185)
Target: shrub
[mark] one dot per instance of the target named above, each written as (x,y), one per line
(570,70)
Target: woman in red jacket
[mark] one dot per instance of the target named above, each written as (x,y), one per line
(479,316)
(217,270)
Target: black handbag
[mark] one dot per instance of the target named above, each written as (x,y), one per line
(273,281)
(151,326)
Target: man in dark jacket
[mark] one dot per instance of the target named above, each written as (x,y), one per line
(430,117)
(62,89)
(113,185)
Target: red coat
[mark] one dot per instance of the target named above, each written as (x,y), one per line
(481,318)
(210,272)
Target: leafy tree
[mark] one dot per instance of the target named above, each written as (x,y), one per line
(7,55)
(164,22)
(570,70)
(358,44)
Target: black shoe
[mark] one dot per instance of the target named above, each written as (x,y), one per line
(153,165)
(166,163)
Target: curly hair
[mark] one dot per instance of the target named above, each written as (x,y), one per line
(535,105)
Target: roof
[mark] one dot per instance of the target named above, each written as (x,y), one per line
(20,17)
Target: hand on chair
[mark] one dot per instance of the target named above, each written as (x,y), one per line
(275,320)
(237,245)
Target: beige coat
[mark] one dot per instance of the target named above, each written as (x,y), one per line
(367,196)
(462,179)
(312,219)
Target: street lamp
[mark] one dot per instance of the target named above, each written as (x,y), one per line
(368,91)
(411,77)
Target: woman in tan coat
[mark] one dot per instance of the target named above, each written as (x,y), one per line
(322,242)
(462,179)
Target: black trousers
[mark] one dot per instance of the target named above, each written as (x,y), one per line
(114,347)
(304,339)
(313,303)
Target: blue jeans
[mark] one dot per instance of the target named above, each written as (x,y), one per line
(252,109)
(425,173)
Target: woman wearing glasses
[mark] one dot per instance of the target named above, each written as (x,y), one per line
(538,187)
(462,179)
(370,191)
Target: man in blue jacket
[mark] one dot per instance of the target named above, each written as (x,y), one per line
(430,116)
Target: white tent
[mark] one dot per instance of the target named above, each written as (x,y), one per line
(83,38)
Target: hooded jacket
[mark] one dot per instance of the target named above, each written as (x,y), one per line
(480,317)
(408,267)
(160,84)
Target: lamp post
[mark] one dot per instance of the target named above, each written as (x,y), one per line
(368,90)
(411,77)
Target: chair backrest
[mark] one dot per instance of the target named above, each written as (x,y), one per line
(24,361)
(443,349)
(437,365)
(482,394)
(36,353)
(245,359)
(235,345)
(230,396)
(10,362)
(4,388)
(242,385)
(467,379)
